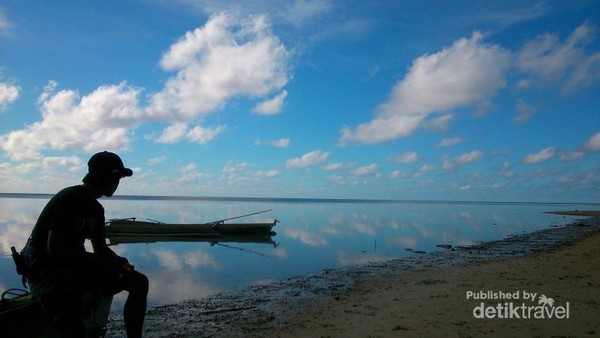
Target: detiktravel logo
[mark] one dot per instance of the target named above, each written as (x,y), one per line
(516,305)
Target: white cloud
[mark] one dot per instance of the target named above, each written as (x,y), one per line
(95,122)
(267,173)
(8,94)
(4,23)
(586,73)
(156,160)
(572,156)
(524,112)
(337,179)
(425,168)
(281,143)
(593,144)
(381,129)
(298,13)
(470,157)
(465,73)
(405,158)
(439,123)
(175,132)
(203,135)
(548,61)
(189,174)
(466,158)
(450,141)
(231,168)
(370,169)
(272,106)
(397,174)
(332,166)
(543,156)
(309,159)
(223,59)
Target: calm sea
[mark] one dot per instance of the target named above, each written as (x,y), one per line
(312,235)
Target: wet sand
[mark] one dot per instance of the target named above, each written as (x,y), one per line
(424,295)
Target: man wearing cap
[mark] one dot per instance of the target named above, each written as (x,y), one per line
(62,270)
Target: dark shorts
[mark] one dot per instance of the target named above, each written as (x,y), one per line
(91,272)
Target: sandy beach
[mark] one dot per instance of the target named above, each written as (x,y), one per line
(541,284)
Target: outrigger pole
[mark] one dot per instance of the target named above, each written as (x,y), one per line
(236,217)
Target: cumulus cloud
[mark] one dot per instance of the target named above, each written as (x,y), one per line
(405,158)
(370,169)
(271,106)
(397,174)
(466,158)
(172,133)
(332,166)
(439,123)
(281,143)
(544,155)
(548,61)
(95,122)
(593,144)
(178,131)
(309,159)
(156,160)
(524,112)
(465,73)
(226,58)
(203,135)
(450,141)
(267,173)
(8,94)
(470,157)
(232,168)
(223,59)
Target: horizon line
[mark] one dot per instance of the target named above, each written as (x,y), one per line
(297,199)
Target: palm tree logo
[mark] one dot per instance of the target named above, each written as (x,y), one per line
(545,301)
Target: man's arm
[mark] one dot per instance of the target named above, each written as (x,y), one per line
(100,247)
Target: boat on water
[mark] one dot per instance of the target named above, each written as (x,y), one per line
(134,227)
(213,239)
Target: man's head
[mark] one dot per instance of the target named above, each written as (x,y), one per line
(105,169)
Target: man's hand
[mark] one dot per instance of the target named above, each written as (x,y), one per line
(123,262)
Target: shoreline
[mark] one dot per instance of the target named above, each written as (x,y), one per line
(298,306)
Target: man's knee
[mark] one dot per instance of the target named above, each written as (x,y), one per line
(138,283)
(143,283)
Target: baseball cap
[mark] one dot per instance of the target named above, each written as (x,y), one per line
(106,163)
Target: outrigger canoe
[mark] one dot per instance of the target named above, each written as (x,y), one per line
(133,227)
(213,239)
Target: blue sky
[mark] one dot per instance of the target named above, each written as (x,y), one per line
(453,100)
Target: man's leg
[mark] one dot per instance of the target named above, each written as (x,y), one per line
(136,284)
(112,278)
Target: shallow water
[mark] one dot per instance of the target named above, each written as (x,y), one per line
(312,235)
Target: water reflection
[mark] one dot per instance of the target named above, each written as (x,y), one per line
(310,237)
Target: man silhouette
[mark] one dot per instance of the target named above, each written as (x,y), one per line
(61,270)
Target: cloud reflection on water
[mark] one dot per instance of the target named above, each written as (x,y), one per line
(311,237)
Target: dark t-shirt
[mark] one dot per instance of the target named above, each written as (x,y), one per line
(73,213)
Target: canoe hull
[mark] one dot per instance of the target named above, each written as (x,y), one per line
(133,227)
